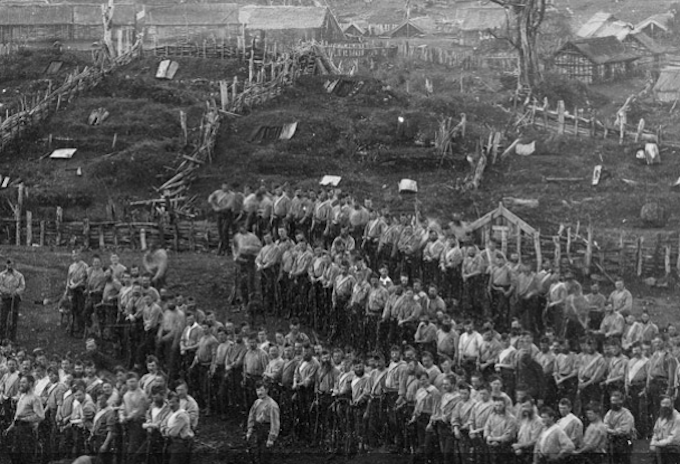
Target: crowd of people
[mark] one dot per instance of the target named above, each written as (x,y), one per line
(466,357)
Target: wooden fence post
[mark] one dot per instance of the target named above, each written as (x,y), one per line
(142,239)
(42,233)
(558,252)
(537,249)
(60,218)
(86,233)
(569,245)
(560,117)
(519,245)
(29,228)
(640,258)
(667,260)
(18,212)
(102,242)
(589,246)
(576,121)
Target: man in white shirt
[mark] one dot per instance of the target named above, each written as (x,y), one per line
(553,445)
(469,348)
(29,414)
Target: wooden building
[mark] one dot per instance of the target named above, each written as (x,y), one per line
(595,60)
(87,22)
(383,21)
(474,23)
(651,53)
(407,30)
(656,26)
(191,22)
(35,23)
(604,25)
(289,25)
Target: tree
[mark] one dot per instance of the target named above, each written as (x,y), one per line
(527,17)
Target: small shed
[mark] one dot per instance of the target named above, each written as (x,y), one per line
(289,25)
(596,60)
(474,24)
(354,30)
(656,26)
(604,25)
(191,22)
(667,87)
(406,30)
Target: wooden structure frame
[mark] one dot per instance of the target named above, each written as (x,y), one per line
(508,223)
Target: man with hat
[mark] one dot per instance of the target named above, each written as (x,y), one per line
(12,286)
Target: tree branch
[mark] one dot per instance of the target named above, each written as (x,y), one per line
(507,39)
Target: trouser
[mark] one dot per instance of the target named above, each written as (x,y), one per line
(276,223)
(474,297)
(589,394)
(148,345)
(322,425)
(107,323)
(225,221)
(409,266)
(550,391)
(250,395)
(479,449)
(301,306)
(657,388)
(390,415)
(178,451)
(568,389)
(283,308)
(638,407)
(508,377)
(527,310)
(151,450)
(469,366)
(667,455)
(78,309)
(304,397)
(135,436)
(406,438)
(318,306)
(431,273)
(79,440)
(9,316)
(375,421)
(205,385)
(357,429)
(167,352)
(93,309)
(554,317)
(426,445)
(452,286)
(501,307)
(621,449)
(339,320)
(246,272)
(371,250)
(268,283)
(109,456)
(257,444)
(464,448)
(500,453)
(23,444)
(370,338)
(445,442)
(287,410)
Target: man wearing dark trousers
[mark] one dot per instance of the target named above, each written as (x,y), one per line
(12,286)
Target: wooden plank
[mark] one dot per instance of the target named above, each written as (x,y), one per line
(42,233)
(622,255)
(537,250)
(29,228)
(519,245)
(560,117)
(558,252)
(640,257)
(667,260)
(142,239)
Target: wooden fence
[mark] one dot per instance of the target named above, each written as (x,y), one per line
(579,248)
(561,121)
(467,60)
(39,107)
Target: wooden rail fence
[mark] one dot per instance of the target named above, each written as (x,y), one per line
(561,121)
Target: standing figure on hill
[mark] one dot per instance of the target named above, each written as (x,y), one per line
(222,203)
(76,280)
(12,286)
(156,264)
(246,247)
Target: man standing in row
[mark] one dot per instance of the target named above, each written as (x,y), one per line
(12,286)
